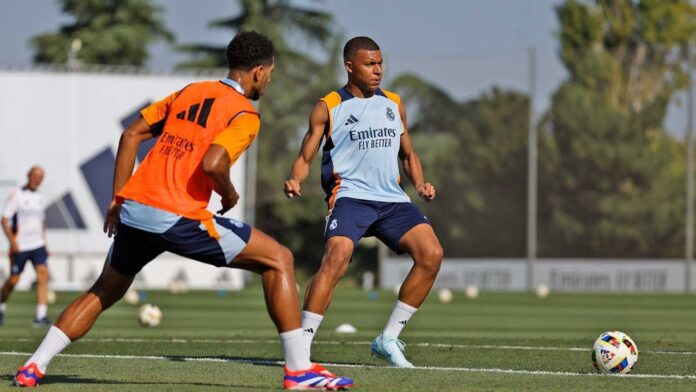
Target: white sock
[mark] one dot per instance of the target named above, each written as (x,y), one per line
(296,356)
(310,325)
(54,342)
(41,311)
(399,318)
(3,307)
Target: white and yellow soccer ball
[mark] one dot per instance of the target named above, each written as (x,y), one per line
(614,352)
(51,297)
(445,295)
(149,315)
(131,297)
(471,292)
(177,287)
(541,291)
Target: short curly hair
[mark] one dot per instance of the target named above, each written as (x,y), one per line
(249,49)
(358,43)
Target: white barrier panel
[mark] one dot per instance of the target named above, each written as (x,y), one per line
(611,275)
(70,123)
(80,272)
(494,274)
(578,275)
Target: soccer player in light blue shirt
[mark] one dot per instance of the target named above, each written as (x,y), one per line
(365,136)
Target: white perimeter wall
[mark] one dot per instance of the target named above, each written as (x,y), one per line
(578,275)
(60,121)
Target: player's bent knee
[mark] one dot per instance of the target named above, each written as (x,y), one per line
(108,296)
(430,259)
(110,287)
(339,255)
(42,277)
(437,253)
(335,264)
(285,259)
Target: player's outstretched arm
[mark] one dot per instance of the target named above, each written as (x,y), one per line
(318,122)
(131,138)
(411,163)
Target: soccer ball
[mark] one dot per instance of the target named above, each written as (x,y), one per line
(542,291)
(614,353)
(177,287)
(444,295)
(149,315)
(51,297)
(471,292)
(132,297)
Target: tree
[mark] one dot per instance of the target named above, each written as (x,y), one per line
(298,81)
(277,19)
(475,152)
(616,188)
(115,32)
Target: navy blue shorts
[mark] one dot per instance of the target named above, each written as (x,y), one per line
(355,218)
(134,247)
(38,256)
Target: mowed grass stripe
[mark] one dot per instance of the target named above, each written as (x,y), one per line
(500,342)
(350,365)
(354,343)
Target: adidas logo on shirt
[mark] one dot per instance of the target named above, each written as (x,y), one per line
(351,120)
(404,322)
(310,330)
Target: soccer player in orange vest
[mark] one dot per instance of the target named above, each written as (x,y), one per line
(202,130)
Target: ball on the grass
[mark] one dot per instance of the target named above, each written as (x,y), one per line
(471,292)
(444,295)
(614,352)
(177,287)
(149,315)
(131,297)
(541,291)
(51,297)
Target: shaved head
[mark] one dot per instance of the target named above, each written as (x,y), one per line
(35,177)
(36,168)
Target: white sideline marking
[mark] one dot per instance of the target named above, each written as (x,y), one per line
(356,343)
(348,365)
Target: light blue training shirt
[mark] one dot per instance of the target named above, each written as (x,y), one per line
(361,148)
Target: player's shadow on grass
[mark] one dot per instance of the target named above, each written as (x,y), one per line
(72,379)
(224,358)
(242,360)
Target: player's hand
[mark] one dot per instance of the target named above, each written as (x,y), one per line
(292,188)
(426,191)
(112,218)
(228,202)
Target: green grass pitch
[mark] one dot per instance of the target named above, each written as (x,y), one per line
(224,341)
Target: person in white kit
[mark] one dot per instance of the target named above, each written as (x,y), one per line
(23,224)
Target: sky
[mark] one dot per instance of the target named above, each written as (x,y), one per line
(464,46)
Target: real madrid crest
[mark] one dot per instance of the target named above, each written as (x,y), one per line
(390,114)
